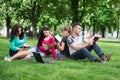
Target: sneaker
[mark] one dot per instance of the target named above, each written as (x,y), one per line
(103,57)
(7,59)
(99,60)
(108,56)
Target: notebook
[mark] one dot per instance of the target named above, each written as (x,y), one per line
(39,58)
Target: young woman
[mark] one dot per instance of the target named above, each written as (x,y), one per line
(17,40)
(63,51)
(45,43)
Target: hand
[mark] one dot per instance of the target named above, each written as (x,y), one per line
(58,44)
(90,43)
(22,48)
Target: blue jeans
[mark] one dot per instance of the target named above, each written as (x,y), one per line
(35,49)
(85,52)
(59,55)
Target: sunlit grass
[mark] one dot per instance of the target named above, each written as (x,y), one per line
(60,70)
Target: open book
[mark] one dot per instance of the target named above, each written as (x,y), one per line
(26,46)
(59,39)
(95,38)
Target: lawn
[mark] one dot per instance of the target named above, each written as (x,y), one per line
(61,70)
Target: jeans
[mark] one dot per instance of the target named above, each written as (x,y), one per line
(35,49)
(85,52)
(59,55)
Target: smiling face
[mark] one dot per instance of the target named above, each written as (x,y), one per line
(46,32)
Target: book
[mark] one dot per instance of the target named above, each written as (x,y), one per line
(95,38)
(46,46)
(59,39)
(26,46)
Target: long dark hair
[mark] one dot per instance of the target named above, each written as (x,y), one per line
(41,35)
(15,31)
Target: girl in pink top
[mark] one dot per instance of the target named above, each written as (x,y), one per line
(46,42)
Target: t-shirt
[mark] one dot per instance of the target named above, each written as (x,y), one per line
(66,49)
(72,40)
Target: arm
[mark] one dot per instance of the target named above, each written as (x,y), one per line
(61,46)
(52,47)
(12,45)
(77,47)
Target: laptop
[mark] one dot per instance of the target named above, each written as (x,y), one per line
(39,58)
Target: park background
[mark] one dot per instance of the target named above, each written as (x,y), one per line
(96,16)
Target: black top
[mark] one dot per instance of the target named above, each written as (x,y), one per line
(66,49)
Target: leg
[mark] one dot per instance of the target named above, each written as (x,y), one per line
(82,53)
(60,56)
(20,55)
(98,50)
(35,49)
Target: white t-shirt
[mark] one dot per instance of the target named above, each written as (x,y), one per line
(71,40)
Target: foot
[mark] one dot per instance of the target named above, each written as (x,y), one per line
(99,60)
(7,59)
(107,56)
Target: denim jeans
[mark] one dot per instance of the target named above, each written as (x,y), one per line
(85,52)
(59,55)
(35,49)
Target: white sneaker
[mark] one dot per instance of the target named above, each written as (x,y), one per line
(7,59)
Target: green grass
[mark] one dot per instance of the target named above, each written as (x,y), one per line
(60,70)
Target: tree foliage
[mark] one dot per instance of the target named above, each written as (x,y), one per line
(100,15)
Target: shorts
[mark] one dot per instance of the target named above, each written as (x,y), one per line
(12,52)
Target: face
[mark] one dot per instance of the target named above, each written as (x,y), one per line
(65,33)
(77,29)
(20,31)
(46,33)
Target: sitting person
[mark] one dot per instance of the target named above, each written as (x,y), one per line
(81,51)
(62,47)
(45,44)
(17,40)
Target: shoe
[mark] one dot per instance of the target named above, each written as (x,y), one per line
(7,59)
(108,56)
(99,60)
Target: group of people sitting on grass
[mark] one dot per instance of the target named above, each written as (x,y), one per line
(71,46)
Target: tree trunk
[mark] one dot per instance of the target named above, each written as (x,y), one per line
(93,29)
(34,29)
(118,30)
(35,13)
(83,11)
(103,32)
(74,6)
(8,20)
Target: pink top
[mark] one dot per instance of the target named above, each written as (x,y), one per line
(45,47)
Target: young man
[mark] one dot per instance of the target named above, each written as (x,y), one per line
(80,51)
